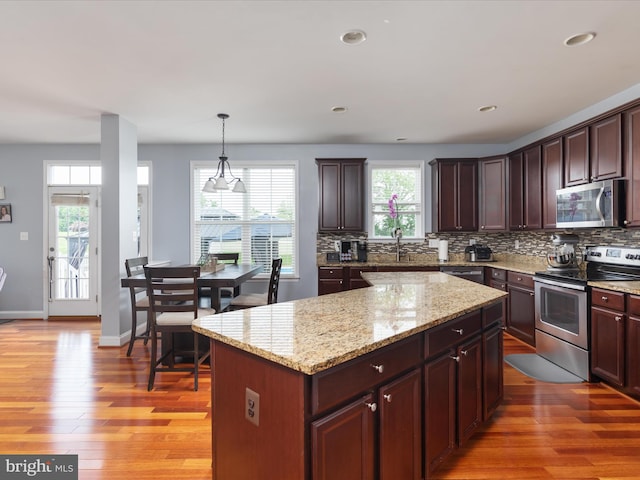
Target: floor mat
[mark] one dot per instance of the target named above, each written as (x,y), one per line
(535,366)
(5,321)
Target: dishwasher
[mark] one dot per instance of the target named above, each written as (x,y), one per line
(475,274)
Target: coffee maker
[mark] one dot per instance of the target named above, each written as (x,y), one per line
(565,253)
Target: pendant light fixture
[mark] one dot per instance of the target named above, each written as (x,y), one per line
(218,181)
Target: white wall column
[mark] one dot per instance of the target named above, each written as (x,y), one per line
(119,157)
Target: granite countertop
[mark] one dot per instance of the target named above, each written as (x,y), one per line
(314,334)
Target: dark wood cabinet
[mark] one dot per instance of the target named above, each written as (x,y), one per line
(521,316)
(492,352)
(576,157)
(348,433)
(331,280)
(400,437)
(355,276)
(341,195)
(469,359)
(607,345)
(492,191)
(633,346)
(605,151)
(525,190)
(552,180)
(455,195)
(632,154)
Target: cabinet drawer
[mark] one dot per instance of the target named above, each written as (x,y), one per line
(633,305)
(333,386)
(356,272)
(452,333)
(330,272)
(497,274)
(522,279)
(607,299)
(498,285)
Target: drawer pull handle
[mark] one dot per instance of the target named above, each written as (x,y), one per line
(605,299)
(378,368)
(387,397)
(456,358)
(458,330)
(618,318)
(464,352)
(519,279)
(371,406)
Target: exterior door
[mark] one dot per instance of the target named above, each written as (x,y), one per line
(72,252)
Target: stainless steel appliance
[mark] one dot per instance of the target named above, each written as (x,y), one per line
(478,253)
(596,204)
(475,274)
(565,254)
(562,305)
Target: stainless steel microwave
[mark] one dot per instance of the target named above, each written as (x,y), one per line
(596,204)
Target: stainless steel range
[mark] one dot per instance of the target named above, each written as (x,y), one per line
(562,305)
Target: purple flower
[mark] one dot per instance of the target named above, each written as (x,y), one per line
(393,206)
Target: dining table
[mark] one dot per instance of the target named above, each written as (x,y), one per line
(231,276)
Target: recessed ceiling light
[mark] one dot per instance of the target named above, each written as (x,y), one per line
(353,37)
(579,39)
(488,108)
(338,109)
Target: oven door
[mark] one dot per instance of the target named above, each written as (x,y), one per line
(561,311)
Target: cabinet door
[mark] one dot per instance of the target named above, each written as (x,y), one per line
(516,174)
(632,150)
(607,345)
(400,441)
(352,196)
(326,287)
(606,148)
(532,197)
(342,444)
(492,205)
(552,173)
(468,196)
(576,157)
(447,197)
(633,355)
(521,320)
(330,202)
(440,410)
(492,355)
(469,358)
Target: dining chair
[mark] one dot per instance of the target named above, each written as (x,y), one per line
(173,310)
(135,266)
(258,299)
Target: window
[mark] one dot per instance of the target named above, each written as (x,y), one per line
(259,224)
(403,179)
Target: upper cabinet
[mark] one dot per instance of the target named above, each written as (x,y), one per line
(632,155)
(551,180)
(525,190)
(576,157)
(341,194)
(606,148)
(455,197)
(492,194)
(594,152)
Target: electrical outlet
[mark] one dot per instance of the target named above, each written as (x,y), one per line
(336,245)
(434,243)
(252,406)
(517,244)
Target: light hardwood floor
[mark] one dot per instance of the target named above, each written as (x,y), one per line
(59,393)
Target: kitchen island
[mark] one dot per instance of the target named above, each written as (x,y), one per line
(381,382)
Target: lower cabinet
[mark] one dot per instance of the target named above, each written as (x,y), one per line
(633,354)
(330,280)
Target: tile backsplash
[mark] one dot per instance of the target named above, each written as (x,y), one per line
(534,243)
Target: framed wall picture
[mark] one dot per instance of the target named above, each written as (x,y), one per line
(5,213)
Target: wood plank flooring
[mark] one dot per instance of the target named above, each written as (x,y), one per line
(60,393)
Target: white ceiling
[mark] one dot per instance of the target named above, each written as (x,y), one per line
(278,67)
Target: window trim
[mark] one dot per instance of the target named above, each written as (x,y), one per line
(236,166)
(392,164)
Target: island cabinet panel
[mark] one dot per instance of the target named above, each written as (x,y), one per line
(401,428)
(242,450)
(469,360)
(492,373)
(333,386)
(343,443)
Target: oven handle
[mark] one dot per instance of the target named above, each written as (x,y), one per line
(580,288)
